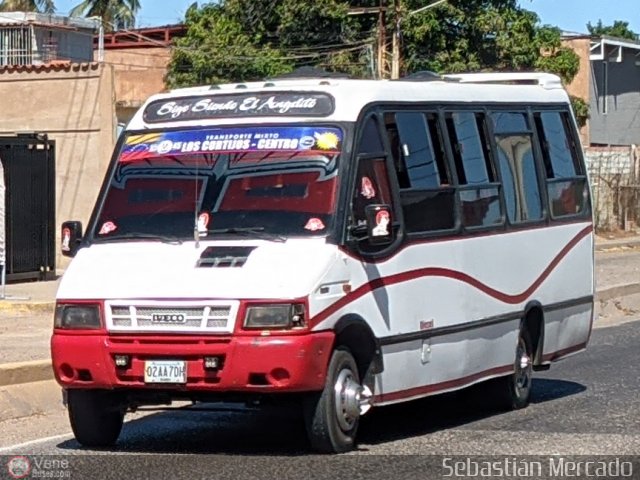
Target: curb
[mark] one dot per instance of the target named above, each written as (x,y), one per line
(604,247)
(617,291)
(10,306)
(25,372)
(28,399)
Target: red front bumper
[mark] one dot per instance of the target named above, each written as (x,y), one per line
(285,363)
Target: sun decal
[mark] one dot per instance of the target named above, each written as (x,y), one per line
(327,140)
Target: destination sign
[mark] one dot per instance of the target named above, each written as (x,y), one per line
(239,105)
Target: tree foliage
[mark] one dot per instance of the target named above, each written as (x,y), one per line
(242,40)
(40,6)
(218,48)
(619,29)
(580,110)
(469,35)
(115,14)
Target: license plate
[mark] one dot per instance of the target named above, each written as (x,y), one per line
(165,371)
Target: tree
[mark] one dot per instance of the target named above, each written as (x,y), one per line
(40,6)
(243,40)
(115,14)
(217,48)
(619,29)
(475,35)
(553,56)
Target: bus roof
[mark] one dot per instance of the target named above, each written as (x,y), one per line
(336,99)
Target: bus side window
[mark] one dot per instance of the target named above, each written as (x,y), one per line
(478,191)
(520,183)
(426,195)
(566,178)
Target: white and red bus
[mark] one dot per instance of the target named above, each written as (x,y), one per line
(341,243)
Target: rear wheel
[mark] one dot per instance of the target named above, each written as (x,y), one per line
(96,417)
(513,392)
(332,416)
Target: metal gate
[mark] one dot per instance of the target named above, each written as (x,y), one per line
(29,170)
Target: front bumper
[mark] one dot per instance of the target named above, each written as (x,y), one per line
(285,363)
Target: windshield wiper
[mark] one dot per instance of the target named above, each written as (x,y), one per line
(257,232)
(142,236)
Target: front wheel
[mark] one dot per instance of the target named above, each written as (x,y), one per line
(332,416)
(96,417)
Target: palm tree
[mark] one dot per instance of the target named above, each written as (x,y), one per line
(115,14)
(40,6)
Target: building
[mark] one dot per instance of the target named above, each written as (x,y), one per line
(52,89)
(609,81)
(28,38)
(139,59)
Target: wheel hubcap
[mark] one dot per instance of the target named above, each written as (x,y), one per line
(348,397)
(523,369)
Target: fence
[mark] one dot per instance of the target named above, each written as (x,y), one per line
(615,185)
(29,171)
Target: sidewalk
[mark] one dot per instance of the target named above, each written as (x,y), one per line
(29,296)
(26,312)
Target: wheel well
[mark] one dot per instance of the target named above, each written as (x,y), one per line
(359,339)
(533,323)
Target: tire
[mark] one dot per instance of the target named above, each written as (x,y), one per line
(332,423)
(96,417)
(513,392)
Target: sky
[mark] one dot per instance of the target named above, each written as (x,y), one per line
(569,15)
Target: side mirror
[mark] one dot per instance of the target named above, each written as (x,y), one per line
(379,224)
(71,238)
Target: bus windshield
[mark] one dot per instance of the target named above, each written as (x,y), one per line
(205,183)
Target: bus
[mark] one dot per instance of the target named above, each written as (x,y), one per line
(342,244)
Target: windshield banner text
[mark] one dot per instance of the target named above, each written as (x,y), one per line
(231,140)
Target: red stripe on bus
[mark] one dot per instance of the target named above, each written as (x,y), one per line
(455,275)
(565,351)
(442,386)
(469,379)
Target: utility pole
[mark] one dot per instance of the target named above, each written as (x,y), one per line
(382,34)
(382,39)
(396,54)
(395,42)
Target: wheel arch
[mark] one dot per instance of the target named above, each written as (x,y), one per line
(533,322)
(353,332)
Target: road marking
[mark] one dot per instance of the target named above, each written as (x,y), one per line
(4,450)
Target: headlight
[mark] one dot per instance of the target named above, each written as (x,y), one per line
(275,316)
(77,316)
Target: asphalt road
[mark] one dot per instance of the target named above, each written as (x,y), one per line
(585,405)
